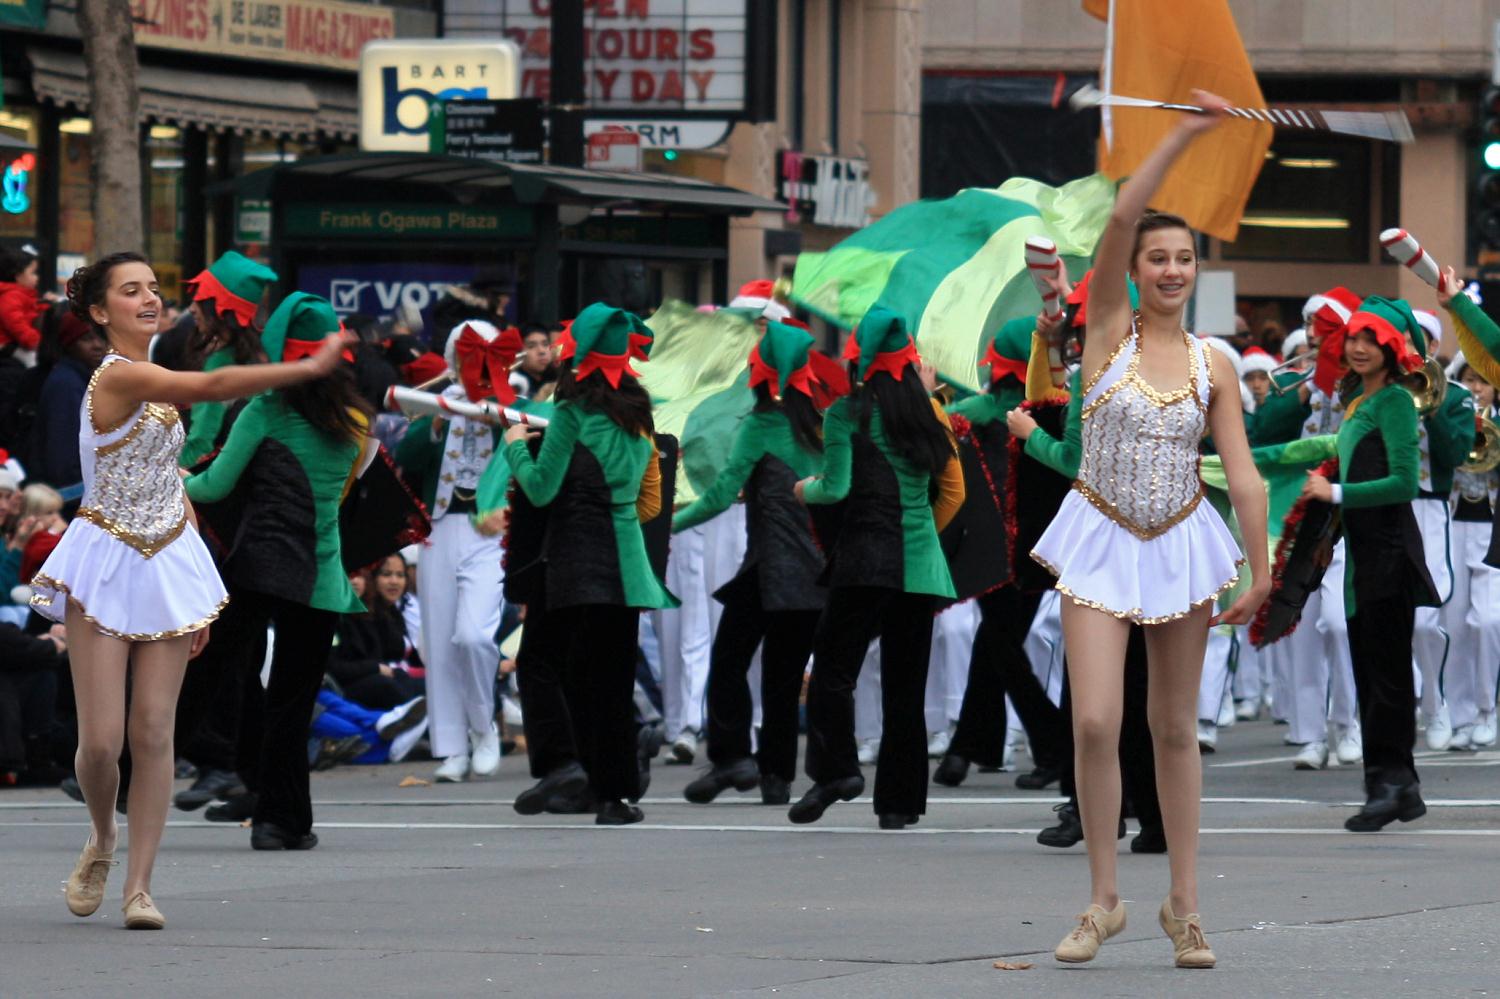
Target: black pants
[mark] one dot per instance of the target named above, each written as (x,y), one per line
(1380,647)
(853,618)
(546,718)
(788,637)
(1137,755)
(382,693)
(999,666)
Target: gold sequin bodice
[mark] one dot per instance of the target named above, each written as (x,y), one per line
(131,485)
(1140,445)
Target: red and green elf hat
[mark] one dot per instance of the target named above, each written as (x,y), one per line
(600,339)
(881,343)
(298,327)
(235,284)
(783,358)
(1010,349)
(1392,321)
(642,338)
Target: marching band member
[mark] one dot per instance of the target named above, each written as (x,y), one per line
(459,572)
(1385,576)
(1444,439)
(1135,542)
(597,473)
(885,447)
(775,597)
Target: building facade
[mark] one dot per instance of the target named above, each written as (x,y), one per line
(1321,201)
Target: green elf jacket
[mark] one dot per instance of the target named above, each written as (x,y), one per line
(1062,456)
(290,478)
(207,420)
(890,532)
(601,482)
(1446,437)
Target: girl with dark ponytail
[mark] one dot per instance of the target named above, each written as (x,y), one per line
(887,451)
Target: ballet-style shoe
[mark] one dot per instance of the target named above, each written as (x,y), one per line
(811,806)
(1186,933)
(142,914)
(85,889)
(742,775)
(1096,925)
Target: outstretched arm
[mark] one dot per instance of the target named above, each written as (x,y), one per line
(1109,301)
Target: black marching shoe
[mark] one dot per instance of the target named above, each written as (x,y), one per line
(617,813)
(742,775)
(1386,804)
(211,785)
(774,790)
(566,781)
(896,820)
(1149,840)
(237,808)
(1069,829)
(1038,779)
(269,836)
(581,802)
(951,770)
(815,802)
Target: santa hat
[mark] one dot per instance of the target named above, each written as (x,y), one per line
(1431,325)
(1227,349)
(479,357)
(1336,304)
(1256,359)
(760,296)
(424,368)
(11,472)
(1296,339)
(233,284)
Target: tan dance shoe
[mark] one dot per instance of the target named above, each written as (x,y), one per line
(142,914)
(85,889)
(1187,937)
(1095,926)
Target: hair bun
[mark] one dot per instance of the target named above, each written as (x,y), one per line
(74,291)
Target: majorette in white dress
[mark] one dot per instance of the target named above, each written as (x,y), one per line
(1134,537)
(130,561)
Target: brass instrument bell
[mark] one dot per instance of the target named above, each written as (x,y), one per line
(1427,385)
(1485,455)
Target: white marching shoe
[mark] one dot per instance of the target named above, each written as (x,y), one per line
(1248,710)
(1208,737)
(1462,739)
(454,770)
(1439,728)
(869,749)
(1314,756)
(1484,730)
(486,749)
(938,743)
(1349,743)
(1227,714)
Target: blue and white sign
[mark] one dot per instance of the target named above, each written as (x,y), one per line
(381,290)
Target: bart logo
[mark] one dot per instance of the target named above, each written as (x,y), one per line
(393,95)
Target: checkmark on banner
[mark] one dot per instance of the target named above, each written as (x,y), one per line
(345,294)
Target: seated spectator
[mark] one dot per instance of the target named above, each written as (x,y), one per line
(40,505)
(345,732)
(373,661)
(55,449)
(29,670)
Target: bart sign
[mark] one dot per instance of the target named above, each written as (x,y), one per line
(399,80)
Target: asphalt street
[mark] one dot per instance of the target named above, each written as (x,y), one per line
(442,890)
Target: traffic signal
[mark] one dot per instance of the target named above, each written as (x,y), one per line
(1485,222)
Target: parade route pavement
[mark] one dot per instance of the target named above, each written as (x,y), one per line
(443,890)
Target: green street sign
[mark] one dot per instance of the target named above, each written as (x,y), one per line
(407,221)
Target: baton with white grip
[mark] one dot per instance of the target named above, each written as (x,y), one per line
(414,402)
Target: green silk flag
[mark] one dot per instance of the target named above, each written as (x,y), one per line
(955,268)
(698,378)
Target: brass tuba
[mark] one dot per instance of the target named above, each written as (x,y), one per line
(1485,455)
(1427,385)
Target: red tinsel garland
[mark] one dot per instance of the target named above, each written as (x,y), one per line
(1330,471)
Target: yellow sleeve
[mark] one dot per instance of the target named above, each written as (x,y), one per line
(1039,384)
(950,481)
(648,503)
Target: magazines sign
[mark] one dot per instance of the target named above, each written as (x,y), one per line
(641,55)
(312,32)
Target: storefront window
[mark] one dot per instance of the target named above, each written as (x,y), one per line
(1311,202)
(75,235)
(164,220)
(19,170)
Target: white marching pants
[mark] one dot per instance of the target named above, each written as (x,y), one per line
(685,635)
(948,664)
(458,587)
(1321,672)
(1044,645)
(869,716)
(1215,678)
(1248,683)
(1429,640)
(724,542)
(1473,621)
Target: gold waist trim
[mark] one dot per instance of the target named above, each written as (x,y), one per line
(1109,510)
(146,546)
